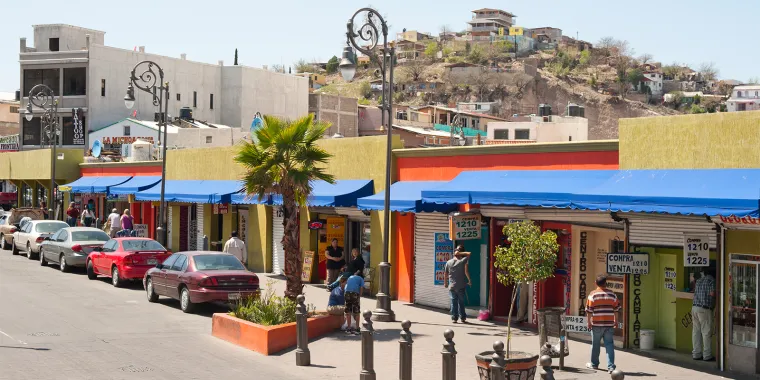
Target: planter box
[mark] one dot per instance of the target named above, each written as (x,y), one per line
(269,340)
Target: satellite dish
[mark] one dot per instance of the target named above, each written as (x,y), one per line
(97,146)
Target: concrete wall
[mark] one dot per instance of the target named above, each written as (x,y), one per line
(558,130)
(270,93)
(341,112)
(6,115)
(370,120)
(70,37)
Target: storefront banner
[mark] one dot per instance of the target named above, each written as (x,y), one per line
(696,251)
(465,227)
(141,230)
(220,209)
(579,324)
(628,263)
(243,225)
(670,278)
(443,250)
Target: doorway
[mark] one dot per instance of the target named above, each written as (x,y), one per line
(666,325)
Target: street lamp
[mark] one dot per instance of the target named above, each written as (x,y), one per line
(369,32)
(43,97)
(151,80)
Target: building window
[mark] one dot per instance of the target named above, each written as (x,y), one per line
(14,109)
(48,77)
(501,134)
(31,132)
(102,87)
(127,130)
(743,293)
(208,139)
(75,81)
(26,195)
(738,94)
(195,99)
(522,134)
(211,101)
(53,44)
(178,97)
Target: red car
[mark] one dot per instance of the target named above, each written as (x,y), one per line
(199,277)
(125,259)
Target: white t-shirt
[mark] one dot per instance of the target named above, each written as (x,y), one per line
(115,220)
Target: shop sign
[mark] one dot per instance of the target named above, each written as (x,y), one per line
(9,143)
(579,324)
(141,230)
(736,220)
(628,263)
(243,225)
(316,224)
(77,116)
(335,229)
(116,140)
(442,254)
(220,209)
(696,251)
(670,278)
(582,270)
(465,226)
(307,266)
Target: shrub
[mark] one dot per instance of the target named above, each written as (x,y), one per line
(268,309)
(697,109)
(363,101)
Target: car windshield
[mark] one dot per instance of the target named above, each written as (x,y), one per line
(89,236)
(142,245)
(49,227)
(217,262)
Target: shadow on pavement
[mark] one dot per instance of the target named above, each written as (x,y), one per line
(27,348)
(639,374)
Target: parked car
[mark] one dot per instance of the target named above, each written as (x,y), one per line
(32,234)
(199,277)
(125,259)
(70,246)
(11,223)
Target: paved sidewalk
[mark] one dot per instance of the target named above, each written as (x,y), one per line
(338,356)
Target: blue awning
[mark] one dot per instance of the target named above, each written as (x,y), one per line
(529,188)
(192,191)
(677,191)
(93,184)
(406,196)
(135,184)
(343,193)
(241,199)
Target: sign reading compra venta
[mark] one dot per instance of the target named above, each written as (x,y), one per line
(628,263)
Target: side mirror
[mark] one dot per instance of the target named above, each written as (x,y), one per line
(47,238)
(159,266)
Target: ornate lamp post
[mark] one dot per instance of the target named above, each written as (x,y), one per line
(43,97)
(369,32)
(151,80)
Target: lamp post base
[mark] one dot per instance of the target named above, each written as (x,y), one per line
(161,236)
(383,312)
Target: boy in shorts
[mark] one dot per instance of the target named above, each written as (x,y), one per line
(354,288)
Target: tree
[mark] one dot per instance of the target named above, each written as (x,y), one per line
(585,58)
(467,47)
(303,67)
(236,62)
(365,89)
(445,30)
(476,55)
(414,70)
(697,109)
(431,50)
(284,161)
(332,65)
(709,71)
(529,257)
(278,68)
(635,76)
(754,80)
(606,42)
(645,58)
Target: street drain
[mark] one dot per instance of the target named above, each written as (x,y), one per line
(43,334)
(133,369)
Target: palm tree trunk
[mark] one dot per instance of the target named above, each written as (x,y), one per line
(293,261)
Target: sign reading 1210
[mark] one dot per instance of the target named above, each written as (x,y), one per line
(465,227)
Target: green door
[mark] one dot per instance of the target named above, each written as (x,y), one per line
(478,262)
(665,336)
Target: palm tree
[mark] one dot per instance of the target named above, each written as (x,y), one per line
(285,160)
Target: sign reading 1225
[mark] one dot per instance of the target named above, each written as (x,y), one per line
(465,227)
(696,251)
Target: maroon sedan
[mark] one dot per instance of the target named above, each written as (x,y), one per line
(199,277)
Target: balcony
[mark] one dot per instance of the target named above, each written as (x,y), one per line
(493,29)
(54,57)
(509,142)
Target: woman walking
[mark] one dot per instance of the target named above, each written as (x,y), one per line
(127,222)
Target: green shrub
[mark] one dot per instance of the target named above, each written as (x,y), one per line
(363,101)
(268,309)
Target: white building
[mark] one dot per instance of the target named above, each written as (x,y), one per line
(539,129)
(744,98)
(654,81)
(86,74)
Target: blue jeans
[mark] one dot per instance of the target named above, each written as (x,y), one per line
(598,334)
(457,304)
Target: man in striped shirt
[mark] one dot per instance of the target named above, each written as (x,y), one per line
(602,307)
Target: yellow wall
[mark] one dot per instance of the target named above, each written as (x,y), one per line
(174,247)
(35,164)
(703,141)
(738,242)
(259,238)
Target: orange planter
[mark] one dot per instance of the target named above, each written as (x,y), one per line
(269,340)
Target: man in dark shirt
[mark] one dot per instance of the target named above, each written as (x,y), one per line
(335,261)
(354,267)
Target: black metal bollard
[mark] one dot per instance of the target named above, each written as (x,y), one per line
(368,350)
(303,356)
(205,243)
(617,375)
(562,343)
(405,352)
(546,372)
(449,355)
(498,362)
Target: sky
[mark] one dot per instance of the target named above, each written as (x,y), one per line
(274,32)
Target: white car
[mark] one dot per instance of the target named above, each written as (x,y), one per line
(31,234)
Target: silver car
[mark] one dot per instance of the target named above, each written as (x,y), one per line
(29,237)
(70,246)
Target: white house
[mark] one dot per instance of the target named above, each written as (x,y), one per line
(654,81)
(744,98)
(540,129)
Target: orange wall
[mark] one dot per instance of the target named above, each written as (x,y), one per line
(447,167)
(405,250)
(124,170)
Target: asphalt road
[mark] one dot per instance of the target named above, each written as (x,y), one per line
(57,325)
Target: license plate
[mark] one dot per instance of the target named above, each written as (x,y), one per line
(233,296)
(152,261)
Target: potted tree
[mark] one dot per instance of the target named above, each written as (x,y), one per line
(529,257)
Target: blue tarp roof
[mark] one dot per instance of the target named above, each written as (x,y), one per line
(94,184)
(531,188)
(406,196)
(135,184)
(677,191)
(192,191)
(343,193)
(241,199)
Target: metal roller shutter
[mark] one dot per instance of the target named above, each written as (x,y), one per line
(425,292)
(591,218)
(199,226)
(505,212)
(169,230)
(667,231)
(278,232)
(353,214)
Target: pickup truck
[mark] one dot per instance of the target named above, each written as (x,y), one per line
(10,223)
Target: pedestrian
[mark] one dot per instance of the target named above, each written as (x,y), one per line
(703,316)
(457,278)
(336,303)
(127,222)
(114,219)
(236,247)
(354,289)
(602,307)
(43,207)
(335,261)
(356,266)
(73,215)
(87,217)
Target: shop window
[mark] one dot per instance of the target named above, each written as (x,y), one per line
(47,77)
(42,196)
(32,132)
(743,316)
(75,81)
(73,134)
(26,195)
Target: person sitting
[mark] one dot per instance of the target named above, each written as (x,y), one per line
(336,303)
(355,267)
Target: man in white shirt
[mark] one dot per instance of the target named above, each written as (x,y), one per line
(115,221)
(236,247)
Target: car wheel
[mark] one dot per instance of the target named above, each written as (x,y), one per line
(43,261)
(91,271)
(152,296)
(185,304)
(29,253)
(115,279)
(14,249)
(62,261)
(5,243)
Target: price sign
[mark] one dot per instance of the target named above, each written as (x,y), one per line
(578,324)
(443,249)
(670,278)
(465,227)
(696,251)
(307,266)
(628,263)
(141,230)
